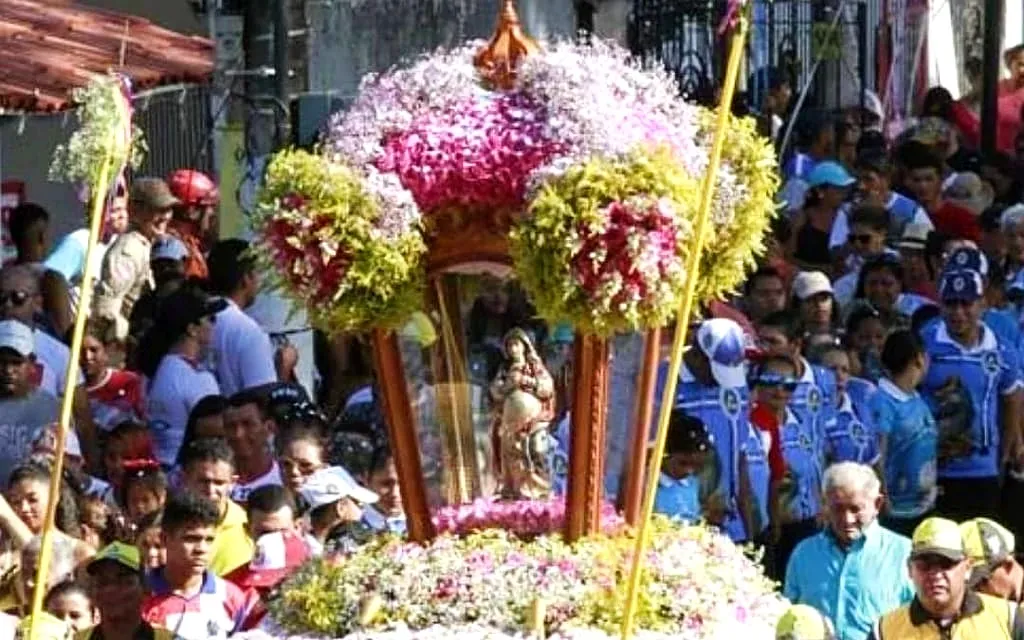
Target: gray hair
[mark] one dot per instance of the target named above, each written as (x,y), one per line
(851,476)
(62,556)
(1012,217)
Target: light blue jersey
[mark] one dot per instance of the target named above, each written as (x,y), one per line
(678,498)
(964,388)
(911,456)
(725,415)
(853,438)
(814,401)
(803,452)
(759,474)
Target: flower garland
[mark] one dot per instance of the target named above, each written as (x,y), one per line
(334,247)
(604,246)
(604,241)
(523,518)
(699,586)
(743,208)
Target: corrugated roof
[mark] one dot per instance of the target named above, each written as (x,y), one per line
(50,47)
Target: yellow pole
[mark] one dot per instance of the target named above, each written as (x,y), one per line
(99,199)
(682,321)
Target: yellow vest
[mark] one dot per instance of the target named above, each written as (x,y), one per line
(981,618)
(231,544)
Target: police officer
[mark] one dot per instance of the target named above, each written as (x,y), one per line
(126,272)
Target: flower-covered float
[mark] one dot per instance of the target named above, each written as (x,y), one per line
(577,173)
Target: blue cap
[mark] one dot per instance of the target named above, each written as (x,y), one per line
(965,286)
(967,259)
(168,248)
(723,342)
(830,174)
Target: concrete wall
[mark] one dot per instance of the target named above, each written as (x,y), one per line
(351,38)
(26,154)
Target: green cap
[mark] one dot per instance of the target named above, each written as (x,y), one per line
(123,554)
(801,622)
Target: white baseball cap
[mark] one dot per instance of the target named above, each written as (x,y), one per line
(168,248)
(17,337)
(808,284)
(329,485)
(723,342)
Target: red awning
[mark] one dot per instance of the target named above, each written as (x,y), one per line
(48,48)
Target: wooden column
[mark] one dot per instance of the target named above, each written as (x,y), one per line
(636,463)
(587,437)
(387,362)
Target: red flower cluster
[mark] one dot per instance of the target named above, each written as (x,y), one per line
(300,250)
(624,259)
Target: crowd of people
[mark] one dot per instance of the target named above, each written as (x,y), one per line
(198,472)
(856,411)
(862,395)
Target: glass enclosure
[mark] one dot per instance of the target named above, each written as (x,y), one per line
(453,353)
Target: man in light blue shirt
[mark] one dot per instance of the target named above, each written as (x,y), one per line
(855,570)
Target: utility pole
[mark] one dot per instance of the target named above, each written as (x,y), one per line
(992,53)
(266,38)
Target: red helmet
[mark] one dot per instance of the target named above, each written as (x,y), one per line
(193,188)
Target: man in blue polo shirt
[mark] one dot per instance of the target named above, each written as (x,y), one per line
(973,387)
(713,388)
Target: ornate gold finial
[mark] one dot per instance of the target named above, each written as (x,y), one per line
(497,62)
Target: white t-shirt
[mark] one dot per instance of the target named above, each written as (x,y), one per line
(240,493)
(52,355)
(275,314)
(174,391)
(242,352)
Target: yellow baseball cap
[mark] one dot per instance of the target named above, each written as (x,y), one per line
(801,622)
(938,537)
(48,627)
(123,554)
(988,544)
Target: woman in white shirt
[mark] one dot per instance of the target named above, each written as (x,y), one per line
(171,356)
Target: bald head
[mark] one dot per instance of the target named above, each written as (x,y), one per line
(19,294)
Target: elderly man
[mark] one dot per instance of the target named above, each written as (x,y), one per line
(853,571)
(995,571)
(943,606)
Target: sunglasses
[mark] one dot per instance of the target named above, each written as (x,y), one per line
(861,238)
(15,298)
(775,381)
(934,562)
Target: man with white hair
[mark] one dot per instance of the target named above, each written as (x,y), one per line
(1011,223)
(855,570)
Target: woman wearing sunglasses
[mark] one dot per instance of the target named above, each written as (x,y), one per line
(773,381)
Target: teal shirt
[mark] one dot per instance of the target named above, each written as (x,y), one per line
(852,588)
